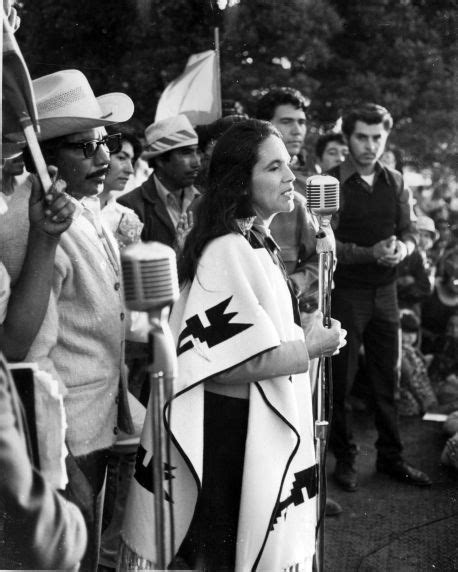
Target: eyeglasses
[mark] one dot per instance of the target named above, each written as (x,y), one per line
(112,142)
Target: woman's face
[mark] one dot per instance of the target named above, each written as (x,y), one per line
(121,168)
(272,189)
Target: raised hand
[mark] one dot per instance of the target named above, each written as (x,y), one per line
(183,227)
(52,213)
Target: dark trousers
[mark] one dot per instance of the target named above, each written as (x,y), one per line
(120,471)
(210,543)
(371,318)
(86,475)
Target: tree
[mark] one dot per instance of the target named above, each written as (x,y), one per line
(267,44)
(124,46)
(400,53)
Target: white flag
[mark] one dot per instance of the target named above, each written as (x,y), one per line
(195,92)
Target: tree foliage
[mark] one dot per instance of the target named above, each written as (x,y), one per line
(267,44)
(400,53)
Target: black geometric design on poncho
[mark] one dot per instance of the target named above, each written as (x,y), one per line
(219,330)
(144,475)
(306,479)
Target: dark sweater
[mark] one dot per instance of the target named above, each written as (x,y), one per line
(149,208)
(368,215)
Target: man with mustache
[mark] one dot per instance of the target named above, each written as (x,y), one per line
(161,203)
(374,231)
(81,341)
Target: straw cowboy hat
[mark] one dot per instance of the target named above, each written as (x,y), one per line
(66,104)
(167,134)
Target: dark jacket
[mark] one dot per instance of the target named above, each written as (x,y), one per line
(150,209)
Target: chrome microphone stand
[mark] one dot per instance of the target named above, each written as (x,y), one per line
(151,285)
(162,372)
(325,249)
(323,201)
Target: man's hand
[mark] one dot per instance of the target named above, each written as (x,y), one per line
(13,19)
(400,252)
(383,247)
(53,213)
(183,227)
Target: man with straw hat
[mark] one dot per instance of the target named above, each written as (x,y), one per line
(81,340)
(39,528)
(162,201)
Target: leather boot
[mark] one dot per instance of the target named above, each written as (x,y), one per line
(345,474)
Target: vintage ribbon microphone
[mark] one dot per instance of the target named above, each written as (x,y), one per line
(151,285)
(323,201)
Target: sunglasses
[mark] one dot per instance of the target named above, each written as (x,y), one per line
(112,142)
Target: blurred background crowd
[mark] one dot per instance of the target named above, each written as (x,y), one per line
(326,56)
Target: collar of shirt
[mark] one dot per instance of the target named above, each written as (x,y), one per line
(348,169)
(3,204)
(92,212)
(263,235)
(171,202)
(266,236)
(294,162)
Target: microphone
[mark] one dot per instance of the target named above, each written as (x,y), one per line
(322,193)
(150,276)
(150,280)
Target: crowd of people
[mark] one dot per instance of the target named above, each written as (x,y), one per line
(230,199)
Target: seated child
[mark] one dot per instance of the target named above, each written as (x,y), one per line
(416,392)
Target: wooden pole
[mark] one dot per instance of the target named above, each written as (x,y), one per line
(218,74)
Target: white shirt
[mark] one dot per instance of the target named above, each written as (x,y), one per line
(5,291)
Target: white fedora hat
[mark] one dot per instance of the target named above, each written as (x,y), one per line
(167,134)
(66,104)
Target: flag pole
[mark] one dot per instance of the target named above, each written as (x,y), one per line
(18,91)
(218,73)
(37,155)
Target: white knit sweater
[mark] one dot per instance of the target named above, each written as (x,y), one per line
(81,340)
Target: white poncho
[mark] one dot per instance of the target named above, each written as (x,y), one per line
(237,306)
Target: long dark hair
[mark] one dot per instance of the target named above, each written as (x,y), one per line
(229,190)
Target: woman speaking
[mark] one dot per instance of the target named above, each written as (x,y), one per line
(243,460)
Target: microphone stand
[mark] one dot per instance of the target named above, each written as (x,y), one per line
(162,370)
(325,249)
